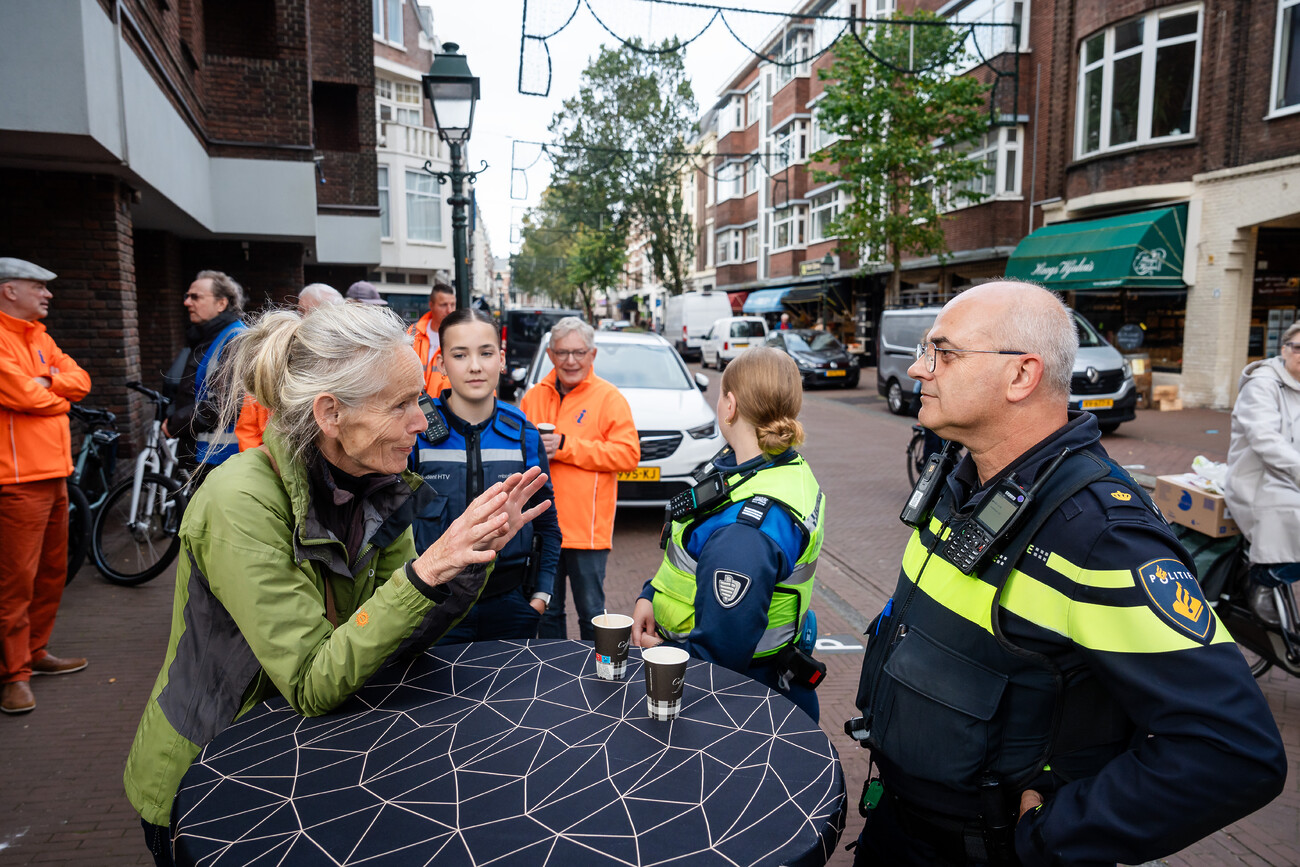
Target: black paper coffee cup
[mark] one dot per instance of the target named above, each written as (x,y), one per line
(665,675)
(613,634)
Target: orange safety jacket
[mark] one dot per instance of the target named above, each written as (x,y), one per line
(434,378)
(600,440)
(35,442)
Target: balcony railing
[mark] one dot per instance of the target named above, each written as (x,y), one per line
(416,140)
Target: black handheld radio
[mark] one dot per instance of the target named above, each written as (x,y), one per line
(929,486)
(437,430)
(998,517)
(707,493)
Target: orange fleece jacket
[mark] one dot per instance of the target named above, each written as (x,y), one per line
(600,440)
(434,379)
(35,442)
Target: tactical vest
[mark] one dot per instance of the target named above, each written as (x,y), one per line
(792,487)
(953,704)
(215,446)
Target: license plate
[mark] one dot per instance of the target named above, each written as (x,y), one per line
(738,345)
(837,373)
(1096,404)
(640,474)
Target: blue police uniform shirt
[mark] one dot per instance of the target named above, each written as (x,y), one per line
(722,547)
(472,459)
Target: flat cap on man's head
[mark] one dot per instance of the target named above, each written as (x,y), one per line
(21,269)
(365,293)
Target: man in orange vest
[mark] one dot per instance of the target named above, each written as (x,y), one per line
(38,382)
(594,438)
(442,300)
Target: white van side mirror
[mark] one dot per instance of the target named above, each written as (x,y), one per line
(702,381)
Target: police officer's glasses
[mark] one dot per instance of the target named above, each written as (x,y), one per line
(930,353)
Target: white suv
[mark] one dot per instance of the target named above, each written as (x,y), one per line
(677,426)
(729,337)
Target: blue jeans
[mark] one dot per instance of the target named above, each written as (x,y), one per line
(503,617)
(586,573)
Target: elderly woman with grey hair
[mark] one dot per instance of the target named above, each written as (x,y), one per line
(299,576)
(1263,489)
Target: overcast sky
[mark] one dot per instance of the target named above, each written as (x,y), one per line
(488,32)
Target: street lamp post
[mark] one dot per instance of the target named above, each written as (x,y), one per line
(453,93)
(828,263)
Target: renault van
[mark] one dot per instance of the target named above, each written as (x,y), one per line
(1102,381)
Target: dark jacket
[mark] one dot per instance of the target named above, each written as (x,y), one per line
(1101,593)
(187,417)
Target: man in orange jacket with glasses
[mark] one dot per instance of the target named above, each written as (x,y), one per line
(37,384)
(594,439)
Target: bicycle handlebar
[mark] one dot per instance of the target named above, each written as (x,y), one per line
(156,397)
(91,416)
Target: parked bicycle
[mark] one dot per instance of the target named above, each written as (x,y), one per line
(135,534)
(92,476)
(1266,637)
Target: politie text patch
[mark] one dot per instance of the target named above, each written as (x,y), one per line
(1176,594)
(730,587)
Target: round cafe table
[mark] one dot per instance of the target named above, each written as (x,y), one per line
(515,753)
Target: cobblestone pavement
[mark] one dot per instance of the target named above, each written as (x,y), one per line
(61,800)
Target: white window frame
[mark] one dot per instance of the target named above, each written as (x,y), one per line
(790,144)
(752,101)
(994,41)
(1002,142)
(1146,93)
(831,201)
(819,138)
(414,196)
(728,244)
(1275,87)
(385,204)
(751,243)
(827,31)
(791,218)
(751,176)
(401,99)
(377,18)
(394,35)
(796,45)
(730,179)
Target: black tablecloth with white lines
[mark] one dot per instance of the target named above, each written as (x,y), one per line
(514,753)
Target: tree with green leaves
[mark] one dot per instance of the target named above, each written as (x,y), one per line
(904,122)
(595,264)
(541,265)
(619,150)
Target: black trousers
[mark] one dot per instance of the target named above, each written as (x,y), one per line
(886,842)
(159,840)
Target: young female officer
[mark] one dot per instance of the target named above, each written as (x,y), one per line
(737,575)
(485,441)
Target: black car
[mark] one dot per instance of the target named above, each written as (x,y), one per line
(522,330)
(821,358)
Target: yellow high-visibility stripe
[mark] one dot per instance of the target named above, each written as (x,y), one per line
(1104,578)
(961,594)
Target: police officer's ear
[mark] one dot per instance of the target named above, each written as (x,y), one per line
(1026,377)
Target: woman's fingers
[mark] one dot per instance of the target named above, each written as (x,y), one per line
(536,510)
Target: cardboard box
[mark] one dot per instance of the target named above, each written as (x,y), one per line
(1170,405)
(1182,502)
(1164,392)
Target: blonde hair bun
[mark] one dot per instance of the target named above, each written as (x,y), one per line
(769,395)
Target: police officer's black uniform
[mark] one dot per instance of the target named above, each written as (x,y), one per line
(1104,682)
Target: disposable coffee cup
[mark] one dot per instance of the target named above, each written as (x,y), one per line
(665,673)
(545,427)
(613,634)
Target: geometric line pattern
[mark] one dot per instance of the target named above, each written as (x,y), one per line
(515,753)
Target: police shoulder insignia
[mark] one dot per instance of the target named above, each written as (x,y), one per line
(1122,496)
(1175,593)
(754,510)
(730,587)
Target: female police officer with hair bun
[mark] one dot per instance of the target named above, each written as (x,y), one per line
(738,568)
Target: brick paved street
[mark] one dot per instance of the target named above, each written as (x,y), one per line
(61,800)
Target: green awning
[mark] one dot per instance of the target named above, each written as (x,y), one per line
(1132,251)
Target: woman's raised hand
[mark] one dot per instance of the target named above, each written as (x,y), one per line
(485,527)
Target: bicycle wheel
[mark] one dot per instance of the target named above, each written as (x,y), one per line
(131,552)
(78,530)
(915,457)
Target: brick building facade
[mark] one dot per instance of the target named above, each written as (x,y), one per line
(1120,107)
(150,140)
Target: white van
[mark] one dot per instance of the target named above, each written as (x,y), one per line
(689,317)
(729,337)
(1101,382)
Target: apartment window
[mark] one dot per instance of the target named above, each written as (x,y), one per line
(751,244)
(987,42)
(724,247)
(1138,81)
(385,218)
(828,30)
(823,210)
(751,176)
(751,108)
(377,17)
(731,117)
(787,228)
(392,26)
(1286,58)
(794,51)
(731,179)
(423,208)
(789,145)
(398,101)
(820,137)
